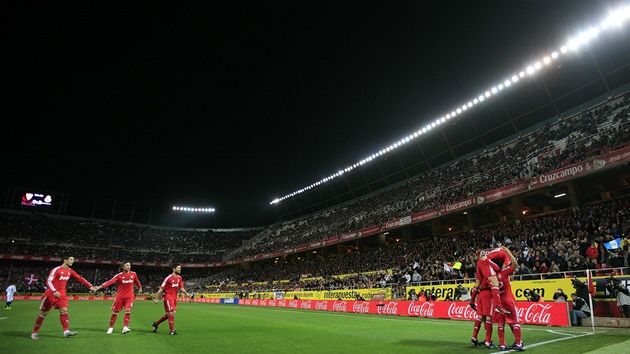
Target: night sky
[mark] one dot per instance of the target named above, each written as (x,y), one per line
(231,104)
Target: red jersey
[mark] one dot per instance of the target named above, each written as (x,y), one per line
(505,285)
(486,268)
(498,253)
(124,283)
(171,286)
(58,279)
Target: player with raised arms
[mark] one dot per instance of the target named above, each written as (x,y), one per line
(508,302)
(487,287)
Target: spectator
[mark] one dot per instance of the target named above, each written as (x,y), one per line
(560,296)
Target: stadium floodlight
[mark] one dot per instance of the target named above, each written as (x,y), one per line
(615,19)
(195,210)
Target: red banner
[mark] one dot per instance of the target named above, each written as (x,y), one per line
(503,192)
(605,161)
(458,205)
(89,297)
(425,215)
(370,231)
(540,313)
(332,240)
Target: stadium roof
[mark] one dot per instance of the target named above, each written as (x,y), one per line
(229,105)
(560,87)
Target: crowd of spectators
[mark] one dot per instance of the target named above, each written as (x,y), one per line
(44,235)
(562,239)
(567,141)
(565,241)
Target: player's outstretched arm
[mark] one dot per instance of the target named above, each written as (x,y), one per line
(158,296)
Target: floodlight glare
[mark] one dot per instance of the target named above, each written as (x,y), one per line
(615,18)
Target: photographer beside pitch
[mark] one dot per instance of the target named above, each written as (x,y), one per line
(580,310)
(619,290)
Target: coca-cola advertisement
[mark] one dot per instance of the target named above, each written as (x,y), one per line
(539,313)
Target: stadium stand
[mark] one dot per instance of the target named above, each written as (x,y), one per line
(591,133)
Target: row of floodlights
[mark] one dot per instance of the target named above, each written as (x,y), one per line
(614,20)
(194,210)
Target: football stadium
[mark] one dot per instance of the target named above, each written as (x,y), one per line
(528,175)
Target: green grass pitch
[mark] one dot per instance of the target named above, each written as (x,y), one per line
(213,328)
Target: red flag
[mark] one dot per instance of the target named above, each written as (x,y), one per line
(589,279)
(31,279)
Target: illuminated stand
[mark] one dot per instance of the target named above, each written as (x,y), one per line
(612,24)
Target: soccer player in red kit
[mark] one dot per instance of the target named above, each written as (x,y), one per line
(125,281)
(55,296)
(486,280)
(508,302)
(484,309)
(487,269)
(170,286)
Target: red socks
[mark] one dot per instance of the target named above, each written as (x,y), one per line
(38,323)
(65,323)
(127,318)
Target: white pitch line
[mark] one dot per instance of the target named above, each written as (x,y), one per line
(554,340)
(3,318)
